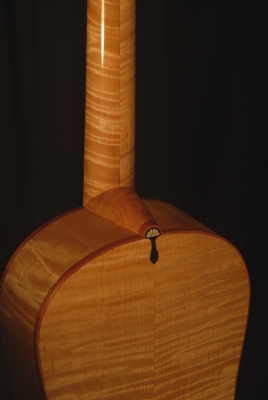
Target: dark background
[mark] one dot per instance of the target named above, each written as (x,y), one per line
(201,126)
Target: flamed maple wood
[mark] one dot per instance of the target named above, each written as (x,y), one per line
(84,313)
(131,330)
(109,151)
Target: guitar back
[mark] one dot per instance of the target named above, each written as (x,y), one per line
(108,323)
(121,299)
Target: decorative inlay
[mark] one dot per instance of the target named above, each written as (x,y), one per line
(153,234)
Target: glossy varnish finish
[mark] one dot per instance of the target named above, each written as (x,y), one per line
(30,275)
(110,97)
(84,313)
(128,329)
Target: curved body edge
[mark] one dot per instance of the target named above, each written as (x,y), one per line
(84,313)
(32,273)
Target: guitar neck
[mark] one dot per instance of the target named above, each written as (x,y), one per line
(109,150)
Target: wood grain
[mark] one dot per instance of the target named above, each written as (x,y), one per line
(110,97)
(122,328)
(165,331)
(37,265)
(127,92)
(84,313)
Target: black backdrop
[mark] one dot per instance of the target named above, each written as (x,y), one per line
(201,120)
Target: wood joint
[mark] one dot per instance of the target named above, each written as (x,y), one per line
(124,207)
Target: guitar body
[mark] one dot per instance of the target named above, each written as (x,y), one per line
(96,319)
(122,299)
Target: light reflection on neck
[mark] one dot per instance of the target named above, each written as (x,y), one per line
(102,32)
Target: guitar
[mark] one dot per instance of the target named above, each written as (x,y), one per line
(123,298)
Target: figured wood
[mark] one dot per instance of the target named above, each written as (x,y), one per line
(31,273)
(110,97)
(193,265)
(122,328)
(84,313)
(127,92)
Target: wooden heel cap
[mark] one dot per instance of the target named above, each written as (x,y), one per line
(125,208)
